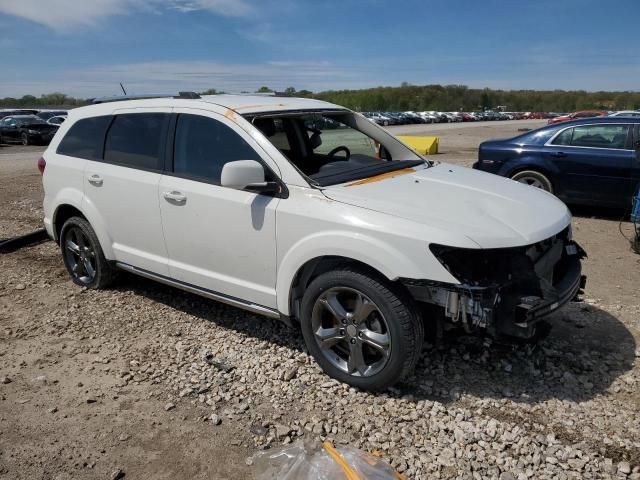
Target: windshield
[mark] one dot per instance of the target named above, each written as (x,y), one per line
(333,148)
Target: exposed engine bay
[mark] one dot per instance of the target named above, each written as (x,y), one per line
(504,292)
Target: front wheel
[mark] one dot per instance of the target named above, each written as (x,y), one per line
(25,139)
(533,179)
(83,256)
(360,329)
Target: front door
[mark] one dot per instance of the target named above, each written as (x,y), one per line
(218,238)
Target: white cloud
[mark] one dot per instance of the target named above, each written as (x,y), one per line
(229,8)
(63,14)
(174,76)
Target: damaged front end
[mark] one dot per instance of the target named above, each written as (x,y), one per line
(505,291)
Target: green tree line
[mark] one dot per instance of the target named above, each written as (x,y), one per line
(463,98)
(418,98)
(50,99)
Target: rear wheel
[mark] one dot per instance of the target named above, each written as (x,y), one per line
(360,330)
(533,179)
(83,256)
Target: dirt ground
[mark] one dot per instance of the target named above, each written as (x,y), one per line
(92,382)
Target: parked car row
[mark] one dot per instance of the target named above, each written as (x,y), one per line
(28,127)
(410,117)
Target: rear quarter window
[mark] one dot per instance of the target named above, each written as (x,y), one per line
(535,137)
(85,138)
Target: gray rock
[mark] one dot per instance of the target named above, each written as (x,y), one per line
(169,406)
(290,374)
(215,419)
(624,467)
(117,474)
(282,430)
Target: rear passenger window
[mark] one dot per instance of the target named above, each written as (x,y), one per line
(85,138)
(203,146)
(600,136)
(136,140)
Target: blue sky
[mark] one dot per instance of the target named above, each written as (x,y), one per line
(85,47)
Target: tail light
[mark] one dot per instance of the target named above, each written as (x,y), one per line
(41,165)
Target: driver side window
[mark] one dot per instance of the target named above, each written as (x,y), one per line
(204,145)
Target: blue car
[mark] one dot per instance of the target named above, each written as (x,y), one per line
(592,161)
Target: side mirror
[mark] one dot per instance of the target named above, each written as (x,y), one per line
(247,175)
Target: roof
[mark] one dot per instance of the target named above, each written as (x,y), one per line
(241,104)
(596,120)
(244,104)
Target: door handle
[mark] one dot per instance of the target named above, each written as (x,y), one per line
(558,154)
(95,180)
(175,197)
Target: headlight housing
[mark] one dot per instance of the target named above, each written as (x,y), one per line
(484,267)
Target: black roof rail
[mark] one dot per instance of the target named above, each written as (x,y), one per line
(120,98)
(192,95)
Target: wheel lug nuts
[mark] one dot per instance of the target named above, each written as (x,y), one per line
(353,340)
(344,321)
(360,334)
(342,332)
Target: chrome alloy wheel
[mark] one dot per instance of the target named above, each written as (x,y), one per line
(79,255)
(351,331)
(532,182)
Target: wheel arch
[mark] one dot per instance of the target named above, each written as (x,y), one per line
(315,267)
(66,210)
(63,213)
(543,169)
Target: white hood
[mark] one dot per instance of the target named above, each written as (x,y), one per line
(492,211)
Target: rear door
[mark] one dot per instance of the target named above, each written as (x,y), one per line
(123,187)
(595,162)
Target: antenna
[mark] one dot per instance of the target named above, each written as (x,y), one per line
(123,90)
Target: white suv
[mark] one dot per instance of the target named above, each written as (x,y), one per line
(305,211)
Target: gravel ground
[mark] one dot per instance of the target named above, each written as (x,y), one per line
(149,382)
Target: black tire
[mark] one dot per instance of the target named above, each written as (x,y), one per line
(78,231)
(25,139)
(403,327)
(534,178)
